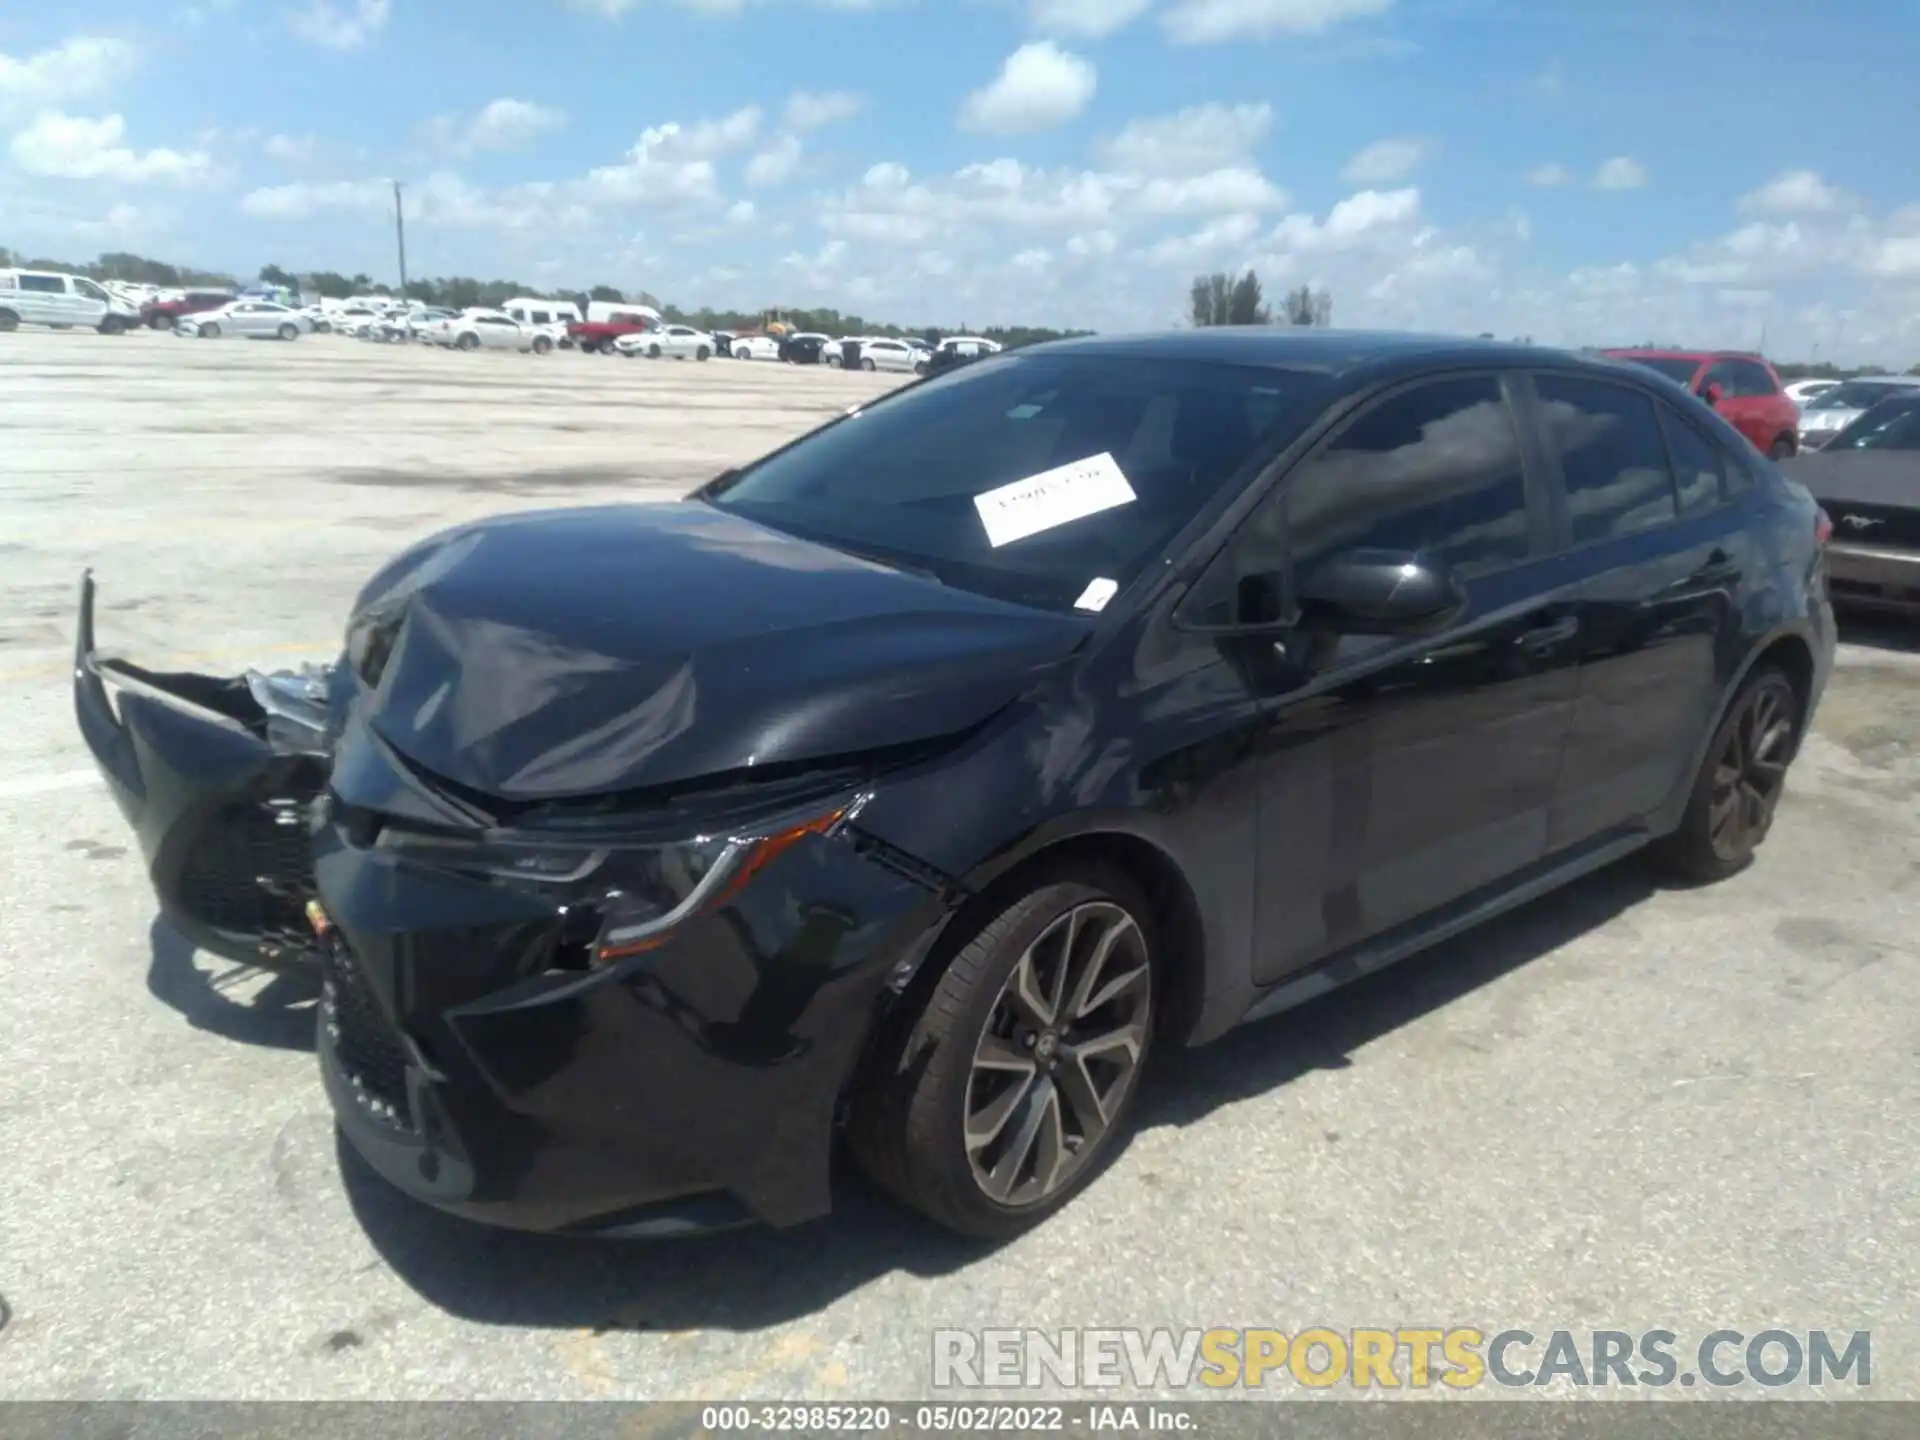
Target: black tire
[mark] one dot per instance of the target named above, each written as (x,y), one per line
(1784,447)
(468,342)
(322,327)
(160,322)
(920,367)
(868,365)
(112,325)
(210,330)
(8,320)
(541,345)
(702,353)
(653,352)
(833,361)
(910,1114)
(1745,767)
(289,331)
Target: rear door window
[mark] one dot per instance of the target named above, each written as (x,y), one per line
(1698,472)
(44,284)
(1613,457)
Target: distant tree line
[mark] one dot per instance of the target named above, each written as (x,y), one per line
(1223,299)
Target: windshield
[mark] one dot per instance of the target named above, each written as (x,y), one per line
(1891,425)
(1677,368)
(1853,395)
(898,482)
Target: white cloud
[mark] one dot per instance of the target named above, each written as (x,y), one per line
(775,164)
(1386,161)
(1039,86)
(1622,172)
(1549,177)
(294,149)
(1207,22)
(71,147)
(1218,240)
(1794,192)
(1359,221)
(1197,138)
(1236,188)
(740,212)
(78,69)
(887,175)
(301,199)
(1085,19)
(815,110)
(340,24)
(706,139)
(508,124)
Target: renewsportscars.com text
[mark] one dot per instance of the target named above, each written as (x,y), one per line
(1410,1357)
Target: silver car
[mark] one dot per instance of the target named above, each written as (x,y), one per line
(251,319)
(1827,414)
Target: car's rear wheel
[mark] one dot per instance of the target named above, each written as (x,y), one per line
(289,331)
(8,320)
(1012,1086)
(1782,448)
(653,352)
(702,353)
(1740,782)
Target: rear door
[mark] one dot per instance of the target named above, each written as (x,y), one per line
(43,299)
(1657,559)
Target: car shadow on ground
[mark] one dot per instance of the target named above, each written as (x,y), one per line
(750,1279)
(228,1000)
(1880,632)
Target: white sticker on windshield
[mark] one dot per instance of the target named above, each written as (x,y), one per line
(1052,498)
(1097,594)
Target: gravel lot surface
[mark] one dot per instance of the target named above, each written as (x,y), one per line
(1622,1107)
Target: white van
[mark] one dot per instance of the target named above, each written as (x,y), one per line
(529,310)
(64,302)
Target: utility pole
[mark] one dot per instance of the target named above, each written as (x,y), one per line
(400,236)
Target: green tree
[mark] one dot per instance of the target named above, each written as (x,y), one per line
(274,275)
(1307,306)
(607,293)
(1222,299)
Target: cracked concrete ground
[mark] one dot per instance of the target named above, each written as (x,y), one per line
(1622,1107)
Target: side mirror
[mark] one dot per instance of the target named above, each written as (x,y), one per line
(1711,392)
(1380,592)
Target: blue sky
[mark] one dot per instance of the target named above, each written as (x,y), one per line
(1579,170)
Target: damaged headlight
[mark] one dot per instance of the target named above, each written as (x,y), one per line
(370,640)
(638,893)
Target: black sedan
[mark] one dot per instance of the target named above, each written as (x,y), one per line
(923,778)
(1868,479)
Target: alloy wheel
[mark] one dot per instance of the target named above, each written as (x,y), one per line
(1059,1054)
(1751,770)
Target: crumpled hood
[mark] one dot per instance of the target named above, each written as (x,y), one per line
(575,652)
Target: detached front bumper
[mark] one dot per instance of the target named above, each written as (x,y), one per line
(216,788)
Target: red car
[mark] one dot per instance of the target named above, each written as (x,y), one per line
(160,314)
(1743,387)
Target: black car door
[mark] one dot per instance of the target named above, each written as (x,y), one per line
(1651,542)
(1398,773)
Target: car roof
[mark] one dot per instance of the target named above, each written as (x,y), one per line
(1349,354)
(1641,352)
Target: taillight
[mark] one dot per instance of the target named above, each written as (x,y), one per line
(1822,526)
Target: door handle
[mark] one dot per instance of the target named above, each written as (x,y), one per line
(1555,632)
(1718,569)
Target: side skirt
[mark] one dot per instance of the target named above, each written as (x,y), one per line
(1378,953)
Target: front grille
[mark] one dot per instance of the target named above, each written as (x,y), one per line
(1881,526)
(250,872)
(364,1043)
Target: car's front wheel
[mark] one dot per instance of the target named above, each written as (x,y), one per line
(468,342)
(289,331)
(1013,1084)
(209,330)
(1740,782)
(541,345)
(702,353)
(1783,448)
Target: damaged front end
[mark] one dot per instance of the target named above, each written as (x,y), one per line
(217,778)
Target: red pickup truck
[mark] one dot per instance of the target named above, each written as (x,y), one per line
(160,314)
(606,323)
